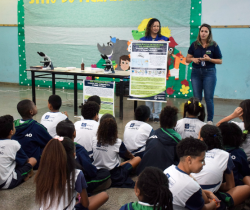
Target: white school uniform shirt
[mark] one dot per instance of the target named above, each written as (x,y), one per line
(246,145)
(217,162)
(50,120)
(85,131)
(107,156)
(185,190)
(187,127)
(135,136)
(80,184)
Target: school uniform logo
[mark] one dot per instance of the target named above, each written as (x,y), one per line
(28,135)
(208,52)
(132,125)
(186,126)
(84,125)
(170,180)
(47,117)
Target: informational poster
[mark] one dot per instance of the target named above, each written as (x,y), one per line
(148,70)
(105,90)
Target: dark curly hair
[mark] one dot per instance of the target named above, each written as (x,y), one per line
(245,105)
(168,117)
(194,107)
(95,98)
(190,147)
(153,186)
(24,107)
(142,113)
(211,136)
(107,132)
(148,29)
(231,134)
(55,101)
(90,110)
(107,116)
(6,125)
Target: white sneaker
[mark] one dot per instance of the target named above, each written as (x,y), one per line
(210,122)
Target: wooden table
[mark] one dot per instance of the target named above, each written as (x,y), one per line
(77,72)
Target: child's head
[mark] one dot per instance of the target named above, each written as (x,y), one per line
(152,188)
(66,128)
(142,113)
(27,109)
(107,132)
(124,62)
(107,116)
(95,98)
(192,153)
(90,110)
(211,135)
(54,102)
(245,105)
(7,128)
(194,107)
(56,170)
(231,134)
(168,117)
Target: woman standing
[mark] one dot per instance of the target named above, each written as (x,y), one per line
(204,53)
(153,33)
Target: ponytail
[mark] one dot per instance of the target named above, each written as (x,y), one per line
(245,105)
(194,107)
(212,137)
(153,186)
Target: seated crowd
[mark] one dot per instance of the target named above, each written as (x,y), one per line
(184,164)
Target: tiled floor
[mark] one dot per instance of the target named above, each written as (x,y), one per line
(23,197)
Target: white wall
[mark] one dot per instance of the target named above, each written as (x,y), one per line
(226,12)
(8,11)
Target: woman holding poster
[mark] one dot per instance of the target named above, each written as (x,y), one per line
(204,53)
(153,33)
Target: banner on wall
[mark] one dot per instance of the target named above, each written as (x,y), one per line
(105,90)
(148,70)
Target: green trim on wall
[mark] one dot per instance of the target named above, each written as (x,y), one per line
(195,19)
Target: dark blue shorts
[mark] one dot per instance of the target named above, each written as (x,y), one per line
(226,200)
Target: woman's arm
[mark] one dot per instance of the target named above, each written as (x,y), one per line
(229,184)
(237,113)
(212,60)
(190,58)
(84,198)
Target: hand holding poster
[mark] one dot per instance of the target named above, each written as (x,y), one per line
(148,70)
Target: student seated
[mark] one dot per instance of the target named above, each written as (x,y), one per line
(86,129)
(32,136)
(15,166)
(160,147)
(137,131)
(187,193)
(97,180)
(152,191)
(107,150)
(97,99)
(193,119)
(232,139)
(50,119)
(218,164)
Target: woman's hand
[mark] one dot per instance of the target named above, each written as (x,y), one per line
(196,60)
(205,58)
(238,112)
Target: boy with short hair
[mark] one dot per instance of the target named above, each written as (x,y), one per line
(52,118)
(32,136)
(15,166)
(187,193)
(160,147)
(86,129)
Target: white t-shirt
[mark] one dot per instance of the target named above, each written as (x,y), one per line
(10,155)
(85,132)
(186,191)
(246,145)
(107,156)
(80,184)
(135,136)
(217,162)
(50,120)
(187,127)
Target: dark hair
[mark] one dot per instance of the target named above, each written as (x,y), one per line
(107,132)
(55,101)
(211,136)
(24,107)
(245,105)
(190,147)
(107,116)
(231,134)
(168,117)
(6,125)
(95,98)
(65,128)
(194,107)
(124,58)
(209,38)
(142,113)
(90,110)
(56,170)
(150,23)
(153,186)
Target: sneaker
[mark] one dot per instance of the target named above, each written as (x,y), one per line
(210,122)
(156,120)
